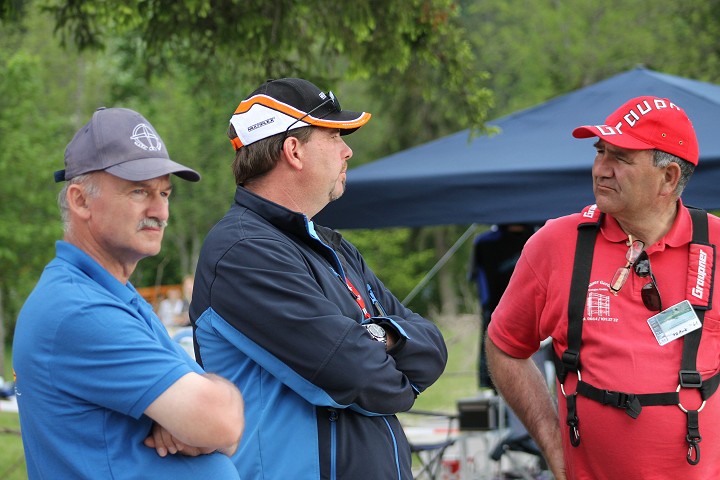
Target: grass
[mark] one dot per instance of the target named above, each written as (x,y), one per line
(12,458)
(460,377)
(458,381)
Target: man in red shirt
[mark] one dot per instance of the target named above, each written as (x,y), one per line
(629,407)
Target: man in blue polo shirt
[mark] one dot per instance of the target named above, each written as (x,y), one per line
(102,390)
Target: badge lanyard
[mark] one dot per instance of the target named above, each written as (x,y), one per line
(358,298)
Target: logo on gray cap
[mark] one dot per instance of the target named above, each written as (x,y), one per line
(145,138)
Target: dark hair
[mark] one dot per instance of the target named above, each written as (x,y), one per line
(258,158)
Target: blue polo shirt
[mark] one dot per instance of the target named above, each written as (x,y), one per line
(90,356)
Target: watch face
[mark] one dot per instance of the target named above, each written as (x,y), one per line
(377,332)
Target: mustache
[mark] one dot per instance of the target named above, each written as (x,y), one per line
(152,223)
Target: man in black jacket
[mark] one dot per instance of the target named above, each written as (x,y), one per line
(290,312)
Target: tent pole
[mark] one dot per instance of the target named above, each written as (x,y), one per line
(440,263)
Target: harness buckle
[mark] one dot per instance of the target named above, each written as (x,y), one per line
(693,454)
(627,401)
(612,398)
(570,359)
(690,379)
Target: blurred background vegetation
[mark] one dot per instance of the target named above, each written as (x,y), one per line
(424,68)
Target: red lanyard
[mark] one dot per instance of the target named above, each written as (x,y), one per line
(358,298)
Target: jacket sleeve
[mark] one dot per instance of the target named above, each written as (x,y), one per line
(421,354)
(301,316)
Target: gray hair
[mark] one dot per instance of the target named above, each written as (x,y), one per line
(663,159)
(91,189)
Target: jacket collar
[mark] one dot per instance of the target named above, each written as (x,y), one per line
(279,216)
(323,239)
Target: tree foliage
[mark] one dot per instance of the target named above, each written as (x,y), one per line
(185,65)
(537,49)
(251,40)
(424,68)
(27,136)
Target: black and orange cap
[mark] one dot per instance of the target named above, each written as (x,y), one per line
(288,103)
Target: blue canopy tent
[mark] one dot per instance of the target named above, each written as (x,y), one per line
(531,171)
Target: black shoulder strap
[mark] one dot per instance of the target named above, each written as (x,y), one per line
(585,246)
(689,376)
(584,250)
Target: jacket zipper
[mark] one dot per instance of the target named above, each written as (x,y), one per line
(395,448)
(380,310)
(333,443)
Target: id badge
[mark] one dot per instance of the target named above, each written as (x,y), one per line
(674,322)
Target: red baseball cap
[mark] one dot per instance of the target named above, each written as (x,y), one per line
(647,123)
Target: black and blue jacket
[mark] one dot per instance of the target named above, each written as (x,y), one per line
(273,313)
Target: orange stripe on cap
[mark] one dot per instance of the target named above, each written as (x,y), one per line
(236,143)
(246,105)
(342,125)
(270,102)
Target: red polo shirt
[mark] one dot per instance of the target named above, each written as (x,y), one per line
(619,351)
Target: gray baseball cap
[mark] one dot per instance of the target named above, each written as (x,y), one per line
(123,143)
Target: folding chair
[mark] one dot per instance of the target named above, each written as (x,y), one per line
(518,440)
(429,451)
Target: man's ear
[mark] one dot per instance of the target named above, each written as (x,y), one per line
(292,153)
(672,177)
(78,200)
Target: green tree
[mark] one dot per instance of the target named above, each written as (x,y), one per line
(418,66)
(252,40)
(37,119)
(25,230)
(25,203)
(535,50)
(411,56)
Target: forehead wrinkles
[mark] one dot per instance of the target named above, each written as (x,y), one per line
(159,183)
(619,151)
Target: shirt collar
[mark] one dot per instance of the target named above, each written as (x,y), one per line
(680,233)
(81,260)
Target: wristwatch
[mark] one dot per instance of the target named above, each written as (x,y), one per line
(376,332)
